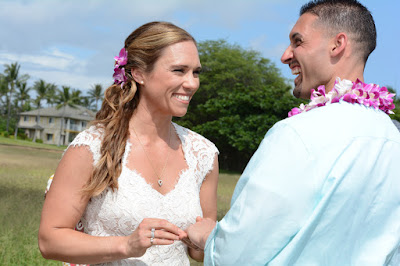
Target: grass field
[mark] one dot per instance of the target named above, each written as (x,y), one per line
(24,170)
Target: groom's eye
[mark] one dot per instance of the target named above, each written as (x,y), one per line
(297,42)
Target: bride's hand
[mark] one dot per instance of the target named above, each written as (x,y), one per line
(152,231)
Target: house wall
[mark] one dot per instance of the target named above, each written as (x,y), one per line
(51,128)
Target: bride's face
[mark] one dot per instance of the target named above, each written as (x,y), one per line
(170,86)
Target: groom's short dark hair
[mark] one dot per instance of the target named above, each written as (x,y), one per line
(347,16)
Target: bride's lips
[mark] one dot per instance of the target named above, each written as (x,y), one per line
(183,98)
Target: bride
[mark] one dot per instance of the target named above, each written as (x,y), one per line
(134,179)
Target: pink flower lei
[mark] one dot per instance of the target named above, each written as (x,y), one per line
(119,70)
(352,92)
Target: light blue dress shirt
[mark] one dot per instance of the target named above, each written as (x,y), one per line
(323,188)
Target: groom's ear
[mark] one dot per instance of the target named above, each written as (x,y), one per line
(339,44)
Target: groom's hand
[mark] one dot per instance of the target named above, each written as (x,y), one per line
(199,232)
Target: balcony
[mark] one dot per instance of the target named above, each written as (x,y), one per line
(75,127)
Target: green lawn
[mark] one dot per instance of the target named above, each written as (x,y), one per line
(24,170)
(27,143)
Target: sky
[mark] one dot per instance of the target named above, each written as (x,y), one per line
(73,42)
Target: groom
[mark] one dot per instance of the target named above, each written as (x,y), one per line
(323,188)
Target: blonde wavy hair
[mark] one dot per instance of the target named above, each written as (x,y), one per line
(144,46)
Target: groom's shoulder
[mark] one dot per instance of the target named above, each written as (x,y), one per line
(340,120)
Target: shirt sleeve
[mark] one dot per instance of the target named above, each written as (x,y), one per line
(271,201)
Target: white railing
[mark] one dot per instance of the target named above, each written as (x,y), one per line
(75,127)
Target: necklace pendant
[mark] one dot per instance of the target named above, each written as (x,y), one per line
(160,182)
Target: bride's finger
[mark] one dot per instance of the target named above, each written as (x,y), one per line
(162,234)
(158,241)
(160,224)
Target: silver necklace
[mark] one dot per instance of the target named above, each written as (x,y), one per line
(160,182)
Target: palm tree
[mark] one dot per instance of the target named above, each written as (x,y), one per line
(3,93)
(51,94)
(77,97)
(12,77)
(22,94)
(65,98)
(88,102)
(96,94)
(41,88)
(22,97)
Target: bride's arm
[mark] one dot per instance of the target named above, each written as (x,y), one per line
(208,201)
(63,208)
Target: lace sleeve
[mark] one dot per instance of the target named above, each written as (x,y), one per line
(206,157)
(200,152)
(90,138)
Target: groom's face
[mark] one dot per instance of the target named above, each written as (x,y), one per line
(308,55)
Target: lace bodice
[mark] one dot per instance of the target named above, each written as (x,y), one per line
(120,212)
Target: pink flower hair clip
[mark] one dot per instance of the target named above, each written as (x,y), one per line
(119,70)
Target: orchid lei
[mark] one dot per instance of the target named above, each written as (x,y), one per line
(119,72)
(352,92)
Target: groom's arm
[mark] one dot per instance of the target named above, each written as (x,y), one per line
(199,232)
(271,202)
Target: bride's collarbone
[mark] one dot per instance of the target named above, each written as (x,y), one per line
(156,167)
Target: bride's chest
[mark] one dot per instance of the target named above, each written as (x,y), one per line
(135,200)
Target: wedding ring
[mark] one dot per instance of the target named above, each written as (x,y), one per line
(152,240)
(152,232)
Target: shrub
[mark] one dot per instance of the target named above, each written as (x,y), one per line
(22,136)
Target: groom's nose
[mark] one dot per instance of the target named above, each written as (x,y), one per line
(287,55)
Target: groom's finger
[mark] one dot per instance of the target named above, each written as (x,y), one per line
(190,244)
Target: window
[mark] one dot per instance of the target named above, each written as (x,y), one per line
(36,119)
(49,137)
(84,124)
(51,120)
(26,118)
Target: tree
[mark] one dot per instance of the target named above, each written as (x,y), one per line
(22,98)
(77,97)
(241,96)
(65,98)
(3,94)
(12,77)
(51,94)
(41,87)
(88,102)
(22,95)
(96,94)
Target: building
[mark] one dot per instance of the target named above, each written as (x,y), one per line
(47,124)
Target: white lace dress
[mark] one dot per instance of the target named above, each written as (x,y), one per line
(120,212)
